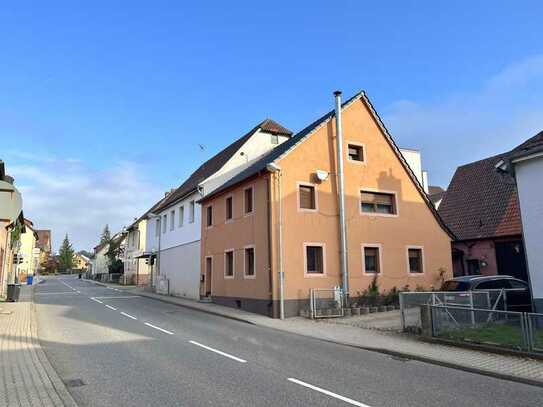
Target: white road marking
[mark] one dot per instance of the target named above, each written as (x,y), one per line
(110,307)
(119,297)
(219,352)
(57,293)
(116,289)
(79,292)
(95,300)
(129,316)
(69,286)
(328,393)
(158,328)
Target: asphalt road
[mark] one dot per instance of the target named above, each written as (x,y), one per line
(117,349)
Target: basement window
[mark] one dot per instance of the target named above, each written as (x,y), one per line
(355,152)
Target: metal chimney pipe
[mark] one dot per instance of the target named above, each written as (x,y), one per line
(341,198)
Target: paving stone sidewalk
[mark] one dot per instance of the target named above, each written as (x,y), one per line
(26,376)
(508,367)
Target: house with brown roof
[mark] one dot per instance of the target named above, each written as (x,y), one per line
(173,229)
(524,164)
(44,246)
(481,208)
(315,213)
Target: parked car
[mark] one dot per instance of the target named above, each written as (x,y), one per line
(518,296)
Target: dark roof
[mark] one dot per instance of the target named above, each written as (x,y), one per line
(277,152)
(531,146)
(216,162)
(480,203)
(150,210)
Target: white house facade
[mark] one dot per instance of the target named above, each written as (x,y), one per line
(525,163)
(174,227)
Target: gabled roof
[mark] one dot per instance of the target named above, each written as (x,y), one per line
(282,149)
(480,203)
(277,152)
(216,162)
(531,146)
(148,212)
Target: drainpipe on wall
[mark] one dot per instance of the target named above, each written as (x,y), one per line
(341,196)
(274,168)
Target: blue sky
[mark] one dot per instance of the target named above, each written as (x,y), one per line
(103,104)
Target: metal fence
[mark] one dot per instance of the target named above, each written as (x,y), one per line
(514,330)
(410,303)
(326,302)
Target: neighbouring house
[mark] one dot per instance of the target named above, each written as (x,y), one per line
(44,246)
(11,226)
(138,260)
(525,164)
(281,217)
(436,194)
(81,262)
(28,257)
(481,208)
(174,231)
(108,257)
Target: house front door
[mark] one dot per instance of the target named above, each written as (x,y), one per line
(206,278)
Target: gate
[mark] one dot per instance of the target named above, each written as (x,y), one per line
(326,302)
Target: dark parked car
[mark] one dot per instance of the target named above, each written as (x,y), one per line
(518,297)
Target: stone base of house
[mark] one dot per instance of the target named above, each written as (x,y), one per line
(264,307)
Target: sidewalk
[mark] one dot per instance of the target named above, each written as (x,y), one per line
(28,379)
(507,367)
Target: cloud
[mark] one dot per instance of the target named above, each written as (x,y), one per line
(460,128)
(67,196)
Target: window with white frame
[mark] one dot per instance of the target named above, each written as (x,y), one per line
(172,219)
(249,264)
(164,223)
(415,260)
(229,263)
(157,227)
(181,215)
(314,259)
(274,139)
(191,212)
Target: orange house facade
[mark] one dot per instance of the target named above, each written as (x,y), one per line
(282,213)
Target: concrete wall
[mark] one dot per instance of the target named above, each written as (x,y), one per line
(529,174)
(181,266)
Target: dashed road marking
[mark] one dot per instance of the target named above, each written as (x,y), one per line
(110,307)
(158,328)
(219,352)
(129,316)
(95,300)
(328,393)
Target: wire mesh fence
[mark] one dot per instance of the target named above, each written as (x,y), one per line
(484,326)
(507,329)
(411,302)
(326,302)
